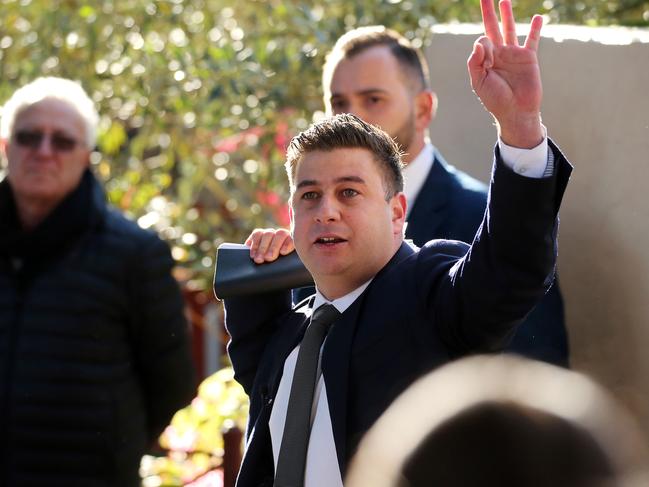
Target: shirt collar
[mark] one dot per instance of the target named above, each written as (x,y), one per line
(415,174)
(342,303)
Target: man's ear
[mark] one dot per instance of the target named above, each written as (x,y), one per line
(425,108)
(398,206)
(88,159)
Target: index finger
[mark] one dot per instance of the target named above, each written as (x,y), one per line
(490,22)
(253,241)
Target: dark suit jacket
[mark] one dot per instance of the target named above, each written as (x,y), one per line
(451,205)
(424,308)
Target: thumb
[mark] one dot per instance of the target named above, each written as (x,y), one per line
(480,60)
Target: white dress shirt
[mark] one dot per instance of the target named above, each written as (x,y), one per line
(322,469)
(528,162)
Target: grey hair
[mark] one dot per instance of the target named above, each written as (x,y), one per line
(61,89)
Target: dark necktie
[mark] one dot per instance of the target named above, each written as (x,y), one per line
(297,428)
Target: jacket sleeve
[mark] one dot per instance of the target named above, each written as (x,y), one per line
(160,336)
(507,269)
(251,321)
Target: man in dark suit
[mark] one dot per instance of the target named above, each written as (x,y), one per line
(401,311)
(376,74)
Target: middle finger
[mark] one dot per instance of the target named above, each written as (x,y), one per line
(509,24)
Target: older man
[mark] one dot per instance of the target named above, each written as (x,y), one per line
(94,355)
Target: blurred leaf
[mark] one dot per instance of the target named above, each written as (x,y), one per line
(194,436)
(111,141)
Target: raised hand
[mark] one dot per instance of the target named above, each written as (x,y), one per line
(506,76)
(267,244)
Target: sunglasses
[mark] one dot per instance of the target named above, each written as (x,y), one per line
(33,139)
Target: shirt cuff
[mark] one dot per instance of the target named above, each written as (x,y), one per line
(531,163)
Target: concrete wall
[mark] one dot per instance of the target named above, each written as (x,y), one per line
(596,107)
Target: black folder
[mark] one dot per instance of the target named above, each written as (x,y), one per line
(236,274)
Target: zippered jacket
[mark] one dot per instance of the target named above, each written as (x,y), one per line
(94,350)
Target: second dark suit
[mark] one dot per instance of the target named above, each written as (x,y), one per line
(451,205)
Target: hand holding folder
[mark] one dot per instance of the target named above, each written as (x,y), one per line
(236,274)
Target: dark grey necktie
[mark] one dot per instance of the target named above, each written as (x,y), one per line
(297,428)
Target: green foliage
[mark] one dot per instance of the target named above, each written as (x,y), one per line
(198,98)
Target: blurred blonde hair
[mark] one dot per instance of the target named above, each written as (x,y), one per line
(535,387)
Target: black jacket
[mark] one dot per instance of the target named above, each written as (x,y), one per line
(451,205)
(94,353)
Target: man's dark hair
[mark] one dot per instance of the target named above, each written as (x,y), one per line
(358,40)
(347,131)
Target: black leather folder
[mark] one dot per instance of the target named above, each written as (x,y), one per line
(236,274)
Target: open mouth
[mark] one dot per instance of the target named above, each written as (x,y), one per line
(329,240)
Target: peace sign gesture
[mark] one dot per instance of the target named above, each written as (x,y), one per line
(506,76)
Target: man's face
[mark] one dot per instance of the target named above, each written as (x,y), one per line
(344,229)
(46,152)
(372,86)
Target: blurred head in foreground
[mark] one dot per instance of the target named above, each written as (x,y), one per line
(502,421)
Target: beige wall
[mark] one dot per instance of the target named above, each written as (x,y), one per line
(596,107)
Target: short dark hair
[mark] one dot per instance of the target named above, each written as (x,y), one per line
(346,131)
(358,40)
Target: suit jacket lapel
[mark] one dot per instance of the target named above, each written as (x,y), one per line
(287,341)
(335,369)
(335,361)
(425,215)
